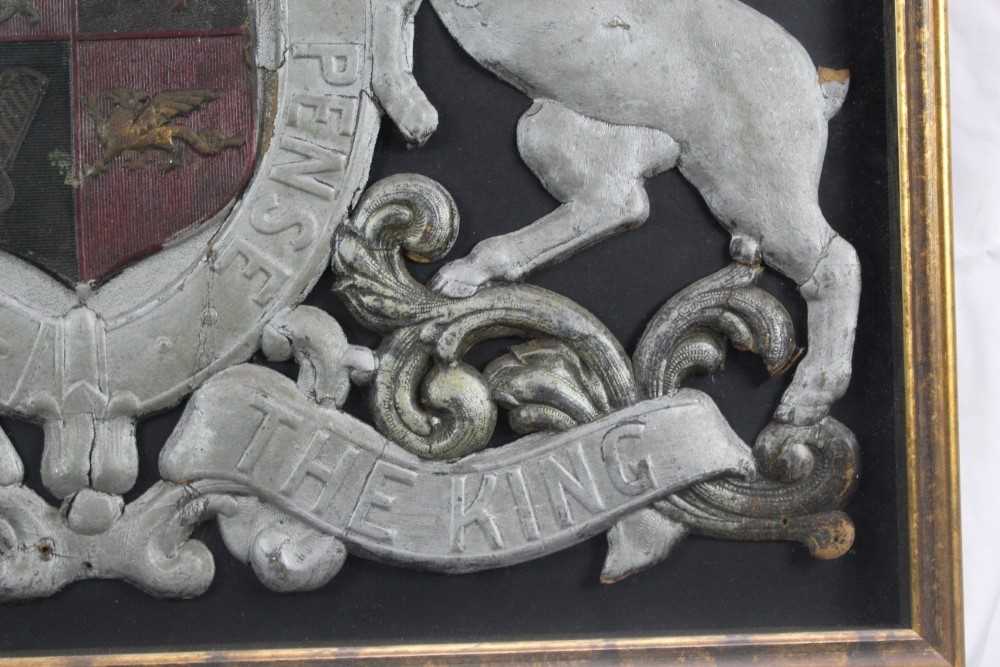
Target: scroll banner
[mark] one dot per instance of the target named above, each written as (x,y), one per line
(252,430)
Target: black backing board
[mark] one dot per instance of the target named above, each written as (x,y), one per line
(707,585)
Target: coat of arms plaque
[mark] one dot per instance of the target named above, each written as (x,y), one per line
(175,178)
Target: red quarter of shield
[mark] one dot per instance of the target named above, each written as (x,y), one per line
(147,128)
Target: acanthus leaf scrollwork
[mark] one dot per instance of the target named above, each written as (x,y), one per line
(572,371)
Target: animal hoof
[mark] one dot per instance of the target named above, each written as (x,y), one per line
(460,279)
(417,123)
(783,453)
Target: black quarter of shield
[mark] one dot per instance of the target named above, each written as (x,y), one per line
(39,221)
(161,16)
(21,92)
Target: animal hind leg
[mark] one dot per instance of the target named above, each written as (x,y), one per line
(832,294)
(596,170)
(796,240)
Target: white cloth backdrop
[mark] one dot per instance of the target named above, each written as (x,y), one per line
(975,62)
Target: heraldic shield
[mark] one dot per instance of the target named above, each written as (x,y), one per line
(175,177)
(124,125)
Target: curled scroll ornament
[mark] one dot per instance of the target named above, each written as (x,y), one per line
(804,477)
(572,371)
(423,396)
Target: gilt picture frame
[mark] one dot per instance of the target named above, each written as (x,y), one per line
(929,458)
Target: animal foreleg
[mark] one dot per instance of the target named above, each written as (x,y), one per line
(392,79)
(564,232)
(597,170)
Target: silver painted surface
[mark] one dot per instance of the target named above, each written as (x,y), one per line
(611,442)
